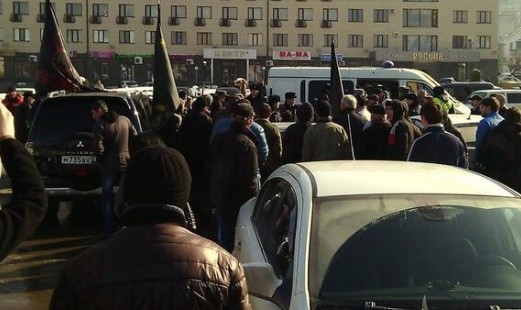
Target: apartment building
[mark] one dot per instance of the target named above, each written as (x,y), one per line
(216,41)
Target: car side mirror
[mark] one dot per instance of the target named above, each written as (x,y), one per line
(261,278)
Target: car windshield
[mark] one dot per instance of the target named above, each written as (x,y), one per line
(61,117)
(398,247)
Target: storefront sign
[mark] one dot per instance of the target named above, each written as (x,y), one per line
(291,55)
(445,56)
(102,54)
(327,57)
(223,53)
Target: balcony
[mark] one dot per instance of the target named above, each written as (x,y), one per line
(40,18)
(121,20)
(200,22)
(301,23)
(251,23)
(326,24)
(148,20)
(225,22)
(70,19)
(174,21)
(95,19)
(275,23)
(16,18)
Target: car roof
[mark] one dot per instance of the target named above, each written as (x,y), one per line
(482,92)
(359,177)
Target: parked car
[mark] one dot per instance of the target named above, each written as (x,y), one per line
(512,96)
(380,235)
(61,139)
(509,81)
(461,90)
(128,83)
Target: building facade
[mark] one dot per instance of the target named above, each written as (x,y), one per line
(216,41)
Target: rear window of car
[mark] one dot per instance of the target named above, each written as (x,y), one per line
(57,119)
(360,247)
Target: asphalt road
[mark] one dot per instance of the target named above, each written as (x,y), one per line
(29,274)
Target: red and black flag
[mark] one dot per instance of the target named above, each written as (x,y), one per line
(165,97)
(336,89)
(55,70)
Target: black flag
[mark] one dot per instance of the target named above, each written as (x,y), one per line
(55,70)
(336,90)
(165,97)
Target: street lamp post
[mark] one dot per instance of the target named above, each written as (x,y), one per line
(263,75)
(196,68)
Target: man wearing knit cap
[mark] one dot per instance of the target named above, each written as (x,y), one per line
(154,262)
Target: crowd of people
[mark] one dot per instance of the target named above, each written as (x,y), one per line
(210,158)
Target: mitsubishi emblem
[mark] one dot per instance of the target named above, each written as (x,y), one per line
(80,144)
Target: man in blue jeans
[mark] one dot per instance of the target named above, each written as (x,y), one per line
(111,136)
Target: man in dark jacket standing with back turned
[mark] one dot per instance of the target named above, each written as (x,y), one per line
(28,203)
(154,262)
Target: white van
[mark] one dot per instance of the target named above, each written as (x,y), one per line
(309,83)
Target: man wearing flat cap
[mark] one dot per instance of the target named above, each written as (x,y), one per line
(288,109)
(154,262)
(234,168)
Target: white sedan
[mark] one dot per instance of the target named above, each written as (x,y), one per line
(380,234)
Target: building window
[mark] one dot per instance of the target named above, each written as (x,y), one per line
(280,14)
(21,35)
(178,37)
(230,13)
(355,40)
(101,36)
(126,10)
(305,40)
(460,17)
(255,39)
(151,11)
(280,39)
(380,41)
(73,36)
(127,37)
(100,9)
(330,39)
(459,42)
(355,15)
(420,43)
(484,42)
(178,11)
(330,15)
(420,18)
(204,12)
(305,14)
(484,17)
(204,38)
(73,9)
(381,16)
(230,39)
(255,13)
(150,37)
(21,8)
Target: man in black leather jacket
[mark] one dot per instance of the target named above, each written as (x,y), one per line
(154,262)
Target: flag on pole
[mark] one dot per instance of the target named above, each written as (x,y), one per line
(336,90)
(165,97)
(55,70)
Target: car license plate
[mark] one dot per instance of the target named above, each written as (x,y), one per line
(78,160)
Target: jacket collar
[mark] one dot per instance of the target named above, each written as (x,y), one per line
(153,213)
